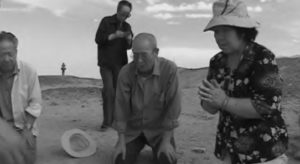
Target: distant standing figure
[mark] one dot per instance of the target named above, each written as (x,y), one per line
(20,104)
(114,37)
(63,69)
(243,85)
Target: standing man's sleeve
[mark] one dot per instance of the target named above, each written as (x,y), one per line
(122,102)
(102,33)
(173,101)
(34,107)
(129,44)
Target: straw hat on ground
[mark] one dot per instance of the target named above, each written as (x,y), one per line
(78,144)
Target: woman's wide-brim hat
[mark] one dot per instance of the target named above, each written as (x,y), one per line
(231,13)
(78,144)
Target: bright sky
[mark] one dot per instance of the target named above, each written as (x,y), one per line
(56,31)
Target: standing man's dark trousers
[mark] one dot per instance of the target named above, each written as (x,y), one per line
(134,148)
(109,77)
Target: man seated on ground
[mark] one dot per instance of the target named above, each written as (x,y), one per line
(20,105)
(147,104)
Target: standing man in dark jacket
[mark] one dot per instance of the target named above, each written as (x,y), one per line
(114,38)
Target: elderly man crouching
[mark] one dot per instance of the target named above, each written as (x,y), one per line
(147,104)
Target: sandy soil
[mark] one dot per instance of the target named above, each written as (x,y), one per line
(79,106)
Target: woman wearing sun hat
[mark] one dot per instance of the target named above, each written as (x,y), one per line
(244,86)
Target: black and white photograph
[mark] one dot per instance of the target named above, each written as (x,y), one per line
(149,82)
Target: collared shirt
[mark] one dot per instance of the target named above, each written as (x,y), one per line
(149,105)
(257,77)
(112,52)
(25,96)
(6,83)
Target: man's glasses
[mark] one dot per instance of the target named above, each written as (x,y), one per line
(124,14)
(143,55)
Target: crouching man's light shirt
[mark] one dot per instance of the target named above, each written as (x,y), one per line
(26,96)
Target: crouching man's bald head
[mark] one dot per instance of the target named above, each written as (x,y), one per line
(145,39)
(145,52)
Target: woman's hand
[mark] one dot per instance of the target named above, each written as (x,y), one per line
(212,93)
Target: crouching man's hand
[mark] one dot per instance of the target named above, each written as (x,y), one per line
(166,149)
(13,148)
(120,148)
(29,138)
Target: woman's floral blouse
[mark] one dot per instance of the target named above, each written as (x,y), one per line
(257,78)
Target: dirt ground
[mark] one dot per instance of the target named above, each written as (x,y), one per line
(79,106)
